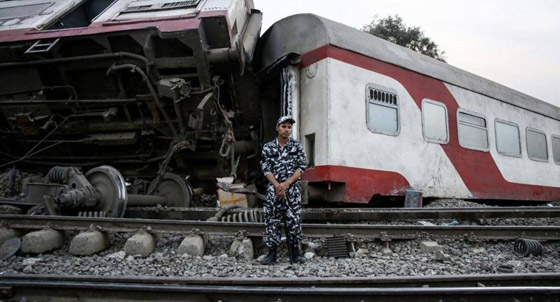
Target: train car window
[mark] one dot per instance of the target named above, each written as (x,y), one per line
(83,14)
(135,7)
(472,130)
(435,124)
(536,145)
(382,110)
(507,138)
(556,148)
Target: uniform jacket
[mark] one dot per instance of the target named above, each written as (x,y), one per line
(282,162)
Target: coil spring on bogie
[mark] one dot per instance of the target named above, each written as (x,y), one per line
(244,216)
(92,214)
(58,174)
(524,247)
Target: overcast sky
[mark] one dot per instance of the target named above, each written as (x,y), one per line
(513,42)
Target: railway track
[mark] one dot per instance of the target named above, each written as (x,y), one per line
(353,214)
(163,226)
(528,287)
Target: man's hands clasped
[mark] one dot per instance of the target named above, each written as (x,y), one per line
(281,189)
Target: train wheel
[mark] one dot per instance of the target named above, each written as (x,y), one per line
(110,185)
(177,190)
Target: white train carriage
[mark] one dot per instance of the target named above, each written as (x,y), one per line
(377,119)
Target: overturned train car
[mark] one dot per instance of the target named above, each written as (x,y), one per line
(377,119)
(97,93)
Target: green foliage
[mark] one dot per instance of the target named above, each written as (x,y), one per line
(394,30)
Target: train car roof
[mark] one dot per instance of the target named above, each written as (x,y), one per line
(305,32)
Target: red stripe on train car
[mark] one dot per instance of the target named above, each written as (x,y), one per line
(163,24)
(477,169)
(358,181)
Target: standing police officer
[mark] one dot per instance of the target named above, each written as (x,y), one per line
(283,163)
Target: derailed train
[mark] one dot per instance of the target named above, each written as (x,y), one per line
(142,93)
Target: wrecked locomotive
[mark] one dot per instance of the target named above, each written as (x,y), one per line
(151,91)
(144,92)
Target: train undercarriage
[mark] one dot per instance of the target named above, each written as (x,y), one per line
(92,122)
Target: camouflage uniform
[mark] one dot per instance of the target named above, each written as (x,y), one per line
(283,162)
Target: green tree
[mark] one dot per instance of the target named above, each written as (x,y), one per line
(394,30)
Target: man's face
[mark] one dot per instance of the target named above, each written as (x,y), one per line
(284,130)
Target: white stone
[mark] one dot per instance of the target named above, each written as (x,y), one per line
(479,250)
(516,264)
(309,255)
(247,251)
(430,246)
(242,248)
(386,251)
(234,247)
(192,245)
(118,255)
(314,245)
(42,241)
(88,243)
(362,251)
(30,261)
(441,256)
(28,270)
(141,244)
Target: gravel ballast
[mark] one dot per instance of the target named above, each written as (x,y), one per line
(367,261)
(367,258)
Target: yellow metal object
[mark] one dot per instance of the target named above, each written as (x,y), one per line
(228,198)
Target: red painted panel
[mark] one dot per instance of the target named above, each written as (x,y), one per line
(164,24)
(359,188)
(477,169)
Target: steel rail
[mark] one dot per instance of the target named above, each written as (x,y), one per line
(44,290)
(257,229)
(353,214)
(467,280)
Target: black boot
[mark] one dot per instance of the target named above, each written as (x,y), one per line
(296,257)
(271,257)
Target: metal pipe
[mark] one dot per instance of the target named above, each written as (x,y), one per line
(116,55)
(150,87)
(223,55)
(45,88)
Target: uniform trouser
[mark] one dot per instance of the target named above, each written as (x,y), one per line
(273,216)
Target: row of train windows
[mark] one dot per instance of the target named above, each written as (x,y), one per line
(383,117)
